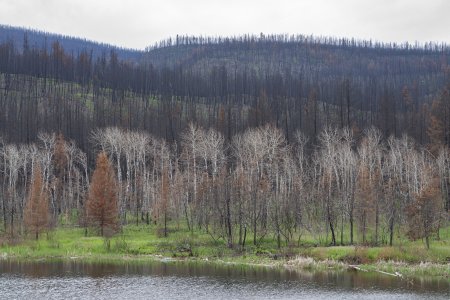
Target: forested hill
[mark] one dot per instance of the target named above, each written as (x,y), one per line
(297,83)
(282,78)
(297,54)
(44,40)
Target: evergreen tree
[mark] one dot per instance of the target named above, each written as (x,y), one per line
(101,205)
(36,210)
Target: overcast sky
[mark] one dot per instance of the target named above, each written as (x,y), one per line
(139,23)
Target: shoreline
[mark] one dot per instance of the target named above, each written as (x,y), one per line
(141,244)
(402,270)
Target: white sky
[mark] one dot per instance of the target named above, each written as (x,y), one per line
(139,23)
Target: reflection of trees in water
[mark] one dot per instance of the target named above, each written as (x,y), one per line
(225,274)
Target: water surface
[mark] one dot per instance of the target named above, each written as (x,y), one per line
(175,280)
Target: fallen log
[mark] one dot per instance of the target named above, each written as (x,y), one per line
(396,274)
(357,268)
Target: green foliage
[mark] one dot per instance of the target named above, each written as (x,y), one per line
(107,244)
(120,245)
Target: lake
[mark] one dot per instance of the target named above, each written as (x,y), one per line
(193,280)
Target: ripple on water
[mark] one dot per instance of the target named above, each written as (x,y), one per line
(75,281)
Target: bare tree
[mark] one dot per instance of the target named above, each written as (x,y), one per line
(11,163)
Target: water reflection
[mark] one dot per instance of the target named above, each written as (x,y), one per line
(187,280)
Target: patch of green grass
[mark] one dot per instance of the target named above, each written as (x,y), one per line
(141,242)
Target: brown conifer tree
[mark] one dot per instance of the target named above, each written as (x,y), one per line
(101,206)
(423,214)
(36,210)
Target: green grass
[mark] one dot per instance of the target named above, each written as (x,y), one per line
(143,242)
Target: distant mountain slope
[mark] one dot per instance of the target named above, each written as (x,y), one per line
(298,54)
(231,84)
(41,39)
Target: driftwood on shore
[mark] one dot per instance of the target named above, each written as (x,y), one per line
(396,274)
(357,268)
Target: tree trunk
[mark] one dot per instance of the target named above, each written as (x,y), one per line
(364,226)
(12,223)
(5,219)
(187,216)
(278,238)
(245,236)
(230,237)
(333,236)
(165,223)
(254,220)
(391,230)
(240,223)
(137,214)
(377,221)
(351,228)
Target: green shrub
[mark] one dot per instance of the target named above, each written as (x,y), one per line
(120,245)
(185,246)
(107,244)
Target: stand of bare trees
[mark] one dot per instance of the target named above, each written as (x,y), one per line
(347,188)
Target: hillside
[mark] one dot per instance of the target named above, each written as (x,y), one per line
(298,54)
(230,84)
(44,40)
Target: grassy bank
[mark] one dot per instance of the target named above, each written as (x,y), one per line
(142,243)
